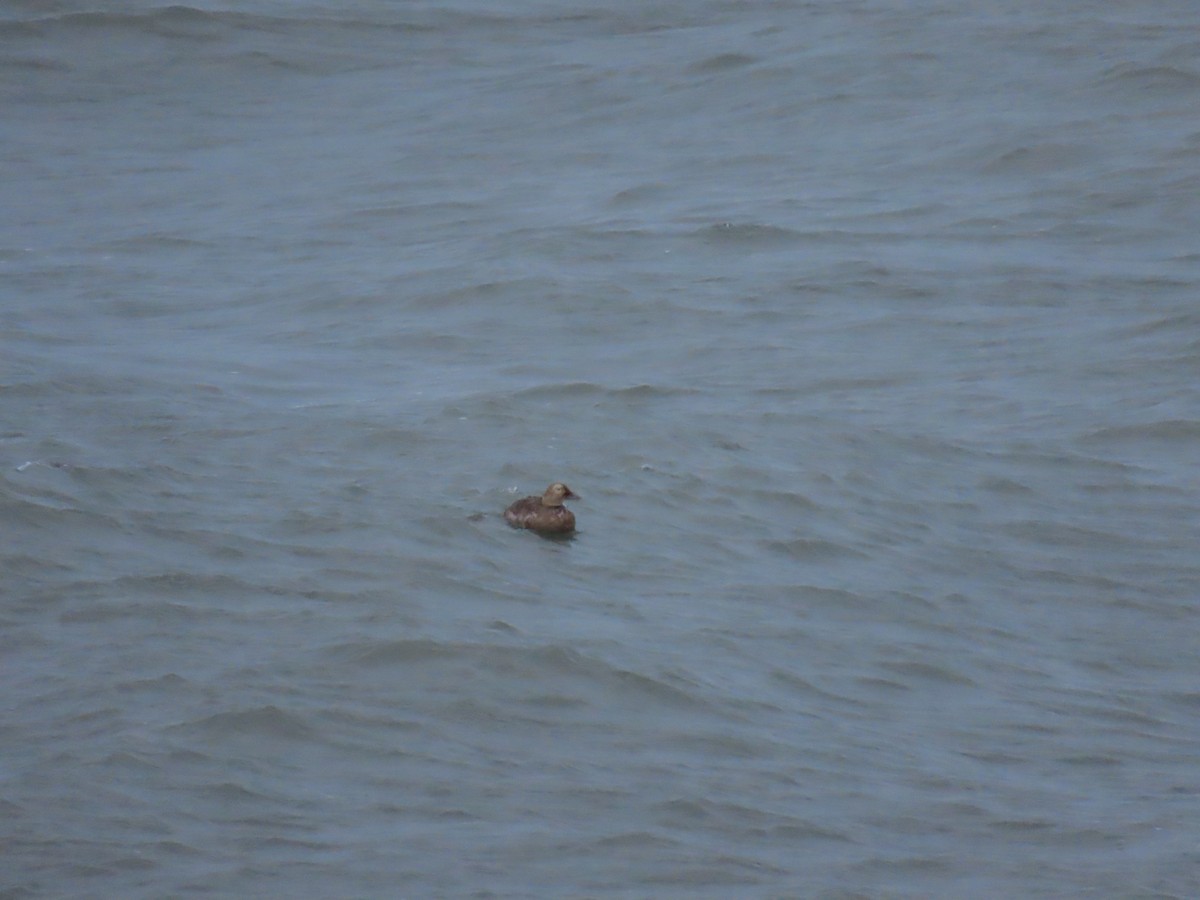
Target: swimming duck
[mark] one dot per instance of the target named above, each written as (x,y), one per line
(545,514)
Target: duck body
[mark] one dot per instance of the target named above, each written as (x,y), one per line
(545,514)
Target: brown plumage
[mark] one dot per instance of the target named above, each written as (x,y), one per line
(545,514)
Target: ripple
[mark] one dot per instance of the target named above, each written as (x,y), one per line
(264,721)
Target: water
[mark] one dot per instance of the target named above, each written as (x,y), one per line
(867,332)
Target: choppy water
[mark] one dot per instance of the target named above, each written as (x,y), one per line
(868,332)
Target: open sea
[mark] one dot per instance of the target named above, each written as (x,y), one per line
(867,330)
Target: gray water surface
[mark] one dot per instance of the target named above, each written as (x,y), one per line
(868,333)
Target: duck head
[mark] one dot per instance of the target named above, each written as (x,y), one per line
(556,494)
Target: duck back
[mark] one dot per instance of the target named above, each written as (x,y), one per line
(531,513)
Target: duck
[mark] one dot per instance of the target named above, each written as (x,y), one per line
(545,514)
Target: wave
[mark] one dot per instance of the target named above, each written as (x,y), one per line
(192,23)
(168,21)
(748,235)
(264,721)
(1151,79)
(569,670)
(1168,430)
